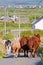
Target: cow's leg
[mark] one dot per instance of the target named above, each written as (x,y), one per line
(27,53)
(16,53)
(19,52)
(24,53)
(30,54)
(14,49)
(36,50)
(33,52)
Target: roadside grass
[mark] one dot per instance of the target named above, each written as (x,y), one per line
(2,51)
(41,50)
(2,55)
(1,34)
(42,57)
(41,53)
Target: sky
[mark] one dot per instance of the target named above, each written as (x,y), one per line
(19,1)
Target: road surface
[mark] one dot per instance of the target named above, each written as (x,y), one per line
(10,60)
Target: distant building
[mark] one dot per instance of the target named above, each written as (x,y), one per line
(38,24)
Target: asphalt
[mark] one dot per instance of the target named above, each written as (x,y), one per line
(20,60)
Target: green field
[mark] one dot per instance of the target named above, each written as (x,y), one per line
(12,26)
(30,13)
(21,11)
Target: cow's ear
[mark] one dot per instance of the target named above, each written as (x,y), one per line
(38,35)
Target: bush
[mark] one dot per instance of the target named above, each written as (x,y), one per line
(41,53)
(26,33)
(9,36)
(32,18)
(42,57)
(38,32)
(30,33)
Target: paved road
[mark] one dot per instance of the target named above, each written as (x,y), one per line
(10,60)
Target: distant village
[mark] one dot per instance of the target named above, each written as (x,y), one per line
(22,6)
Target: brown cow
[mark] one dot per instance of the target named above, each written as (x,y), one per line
(26,43)
(33,44)
(30,43)
(23,43)
(36,43)
(16,47)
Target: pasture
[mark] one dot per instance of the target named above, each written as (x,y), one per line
(21,11)
(29,13)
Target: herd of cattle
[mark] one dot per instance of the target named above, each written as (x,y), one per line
(27,43)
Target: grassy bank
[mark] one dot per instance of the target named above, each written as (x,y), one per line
(31,33)
(41,53)
(9,36)
(2,51)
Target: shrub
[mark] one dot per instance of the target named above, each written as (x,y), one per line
(38,32)
(26,33)
(41,53)
(9,36)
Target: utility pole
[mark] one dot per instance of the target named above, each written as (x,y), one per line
(5,21)
(19,26)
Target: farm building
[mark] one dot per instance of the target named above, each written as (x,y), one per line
(38,24)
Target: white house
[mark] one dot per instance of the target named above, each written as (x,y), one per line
(38,24)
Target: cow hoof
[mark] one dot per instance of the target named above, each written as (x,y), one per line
(15,56)
(35,55)
(26,55)
(30,56)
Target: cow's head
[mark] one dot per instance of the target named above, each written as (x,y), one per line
(8,46)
